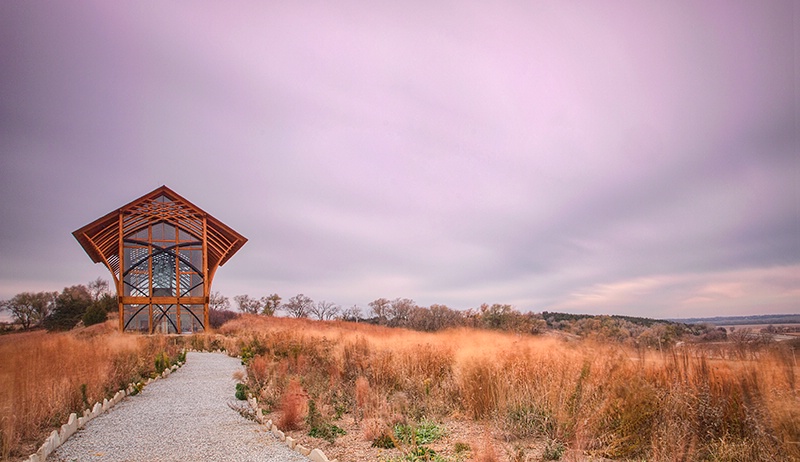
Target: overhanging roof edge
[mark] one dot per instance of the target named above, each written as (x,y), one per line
(82,235)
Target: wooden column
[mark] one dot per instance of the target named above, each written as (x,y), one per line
(206,280)
(120,283)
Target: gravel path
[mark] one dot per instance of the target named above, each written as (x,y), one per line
(181,418)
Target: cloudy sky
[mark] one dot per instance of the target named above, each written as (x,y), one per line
(635,158)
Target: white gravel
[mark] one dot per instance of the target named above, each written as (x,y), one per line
(184,417)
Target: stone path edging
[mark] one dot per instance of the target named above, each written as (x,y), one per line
(74,423)
(315,454)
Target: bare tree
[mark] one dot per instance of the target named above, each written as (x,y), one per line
(380,308)
(270,304)
(247,304)
(298,306)
(324,311)
(352,314)
(400,311)
(30,309)
(437,317)
(98,288)
(219,302)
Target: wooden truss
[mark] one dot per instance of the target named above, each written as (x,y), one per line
(162,252)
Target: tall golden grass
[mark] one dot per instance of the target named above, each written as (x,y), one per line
(46,376)
(589,398)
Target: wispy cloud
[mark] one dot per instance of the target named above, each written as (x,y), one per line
(627,157)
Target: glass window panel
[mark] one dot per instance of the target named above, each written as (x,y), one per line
(136,284)
(185,260)
(164,319)
(186,322)
(169,232)
(197,285)
(164,281)
(197,258)
(126,284)
(195,314)
(193,257)
(137,318)
(185,282)
(158,231)
(127,258)
(133,255)
(184,236)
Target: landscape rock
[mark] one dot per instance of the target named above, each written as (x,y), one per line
(317,455)
(67,430)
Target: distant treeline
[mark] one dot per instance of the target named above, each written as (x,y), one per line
(79,304)
(406,313)
(623,329)
(647,322)
(744,320)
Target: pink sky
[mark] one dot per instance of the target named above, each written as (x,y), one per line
(599,157)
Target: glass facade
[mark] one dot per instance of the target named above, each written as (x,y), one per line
(161,260)
(165,319)
(161,251)
(137,318)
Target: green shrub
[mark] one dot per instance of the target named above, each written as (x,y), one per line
(137,388)
(95,314)
(423,433)
(69,308)
(161,362)
(241,391)
(423,454)
(319,427)
(250,351)
(420,454)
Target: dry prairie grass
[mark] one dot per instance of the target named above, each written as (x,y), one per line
(574,400)
(46,376)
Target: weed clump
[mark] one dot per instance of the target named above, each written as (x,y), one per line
(425,432)
(524,420)
(161,362)
(553,450)
(319,427)
(293,405)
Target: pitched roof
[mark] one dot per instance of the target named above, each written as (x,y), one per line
(100,238)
